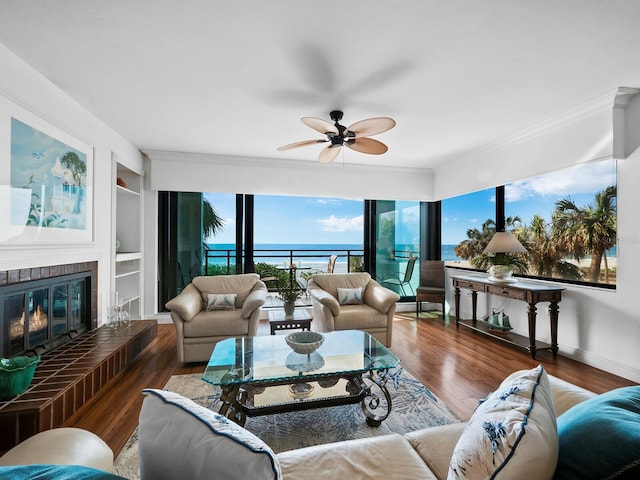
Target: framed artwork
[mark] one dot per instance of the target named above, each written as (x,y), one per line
(46,182)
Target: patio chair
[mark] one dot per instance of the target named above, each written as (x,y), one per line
(405,280)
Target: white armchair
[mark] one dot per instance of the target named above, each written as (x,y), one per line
(199,321)
(373,313)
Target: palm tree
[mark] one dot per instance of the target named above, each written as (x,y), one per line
(591,229)
(546,258)
(212,224)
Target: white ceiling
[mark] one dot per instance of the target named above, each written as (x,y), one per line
(234,77)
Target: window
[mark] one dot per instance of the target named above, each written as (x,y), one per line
(567,221)
(467,225)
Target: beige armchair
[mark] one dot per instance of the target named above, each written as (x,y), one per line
(374,315)
(201,321)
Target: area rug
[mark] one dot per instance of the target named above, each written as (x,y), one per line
(414,406)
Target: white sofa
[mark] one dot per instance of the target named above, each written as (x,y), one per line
(198,329)
(423,454)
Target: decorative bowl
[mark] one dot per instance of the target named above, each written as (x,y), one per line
(16,375)
(304,342)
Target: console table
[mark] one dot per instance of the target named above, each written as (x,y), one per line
(529,292)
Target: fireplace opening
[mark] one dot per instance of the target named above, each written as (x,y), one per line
(39,315)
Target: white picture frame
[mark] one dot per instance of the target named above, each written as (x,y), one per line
(46,182)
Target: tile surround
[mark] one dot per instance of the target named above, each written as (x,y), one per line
(68,376)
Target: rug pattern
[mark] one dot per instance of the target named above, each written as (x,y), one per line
(414,407)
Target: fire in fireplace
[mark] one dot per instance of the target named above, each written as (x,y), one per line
(38,315)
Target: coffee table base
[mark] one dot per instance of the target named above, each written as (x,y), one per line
(369,389)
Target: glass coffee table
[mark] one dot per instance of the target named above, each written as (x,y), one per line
(262,375)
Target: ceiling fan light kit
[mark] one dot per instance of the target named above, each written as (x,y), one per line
(356,136)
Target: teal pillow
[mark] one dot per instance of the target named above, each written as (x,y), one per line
(54,472)
(600,437)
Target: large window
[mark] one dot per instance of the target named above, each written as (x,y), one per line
(567,221)
(212,234)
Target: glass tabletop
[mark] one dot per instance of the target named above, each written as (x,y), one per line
(265,359)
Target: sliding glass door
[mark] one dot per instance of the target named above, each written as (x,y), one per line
(397,241)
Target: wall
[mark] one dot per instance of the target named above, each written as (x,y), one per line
(596,326)
(190,172)
(23,87)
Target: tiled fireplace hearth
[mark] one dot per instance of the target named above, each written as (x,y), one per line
(69,375)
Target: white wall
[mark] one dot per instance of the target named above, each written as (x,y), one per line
(23,87)
(596,326)
(190,172)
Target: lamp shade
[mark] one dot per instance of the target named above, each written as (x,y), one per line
(504,242)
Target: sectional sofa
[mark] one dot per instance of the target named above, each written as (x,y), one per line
(513,433)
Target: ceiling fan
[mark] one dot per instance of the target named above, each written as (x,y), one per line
(355,136)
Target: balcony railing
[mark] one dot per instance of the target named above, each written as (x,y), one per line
(222,262)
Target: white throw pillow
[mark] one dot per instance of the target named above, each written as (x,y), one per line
(181,439)
(221,301)
(512,433)
(350,296)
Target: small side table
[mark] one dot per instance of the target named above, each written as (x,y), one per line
(301,319)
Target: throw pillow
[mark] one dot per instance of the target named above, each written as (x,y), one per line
(181,439)
(600,437)
(350,296)
(511,434)
(221,301)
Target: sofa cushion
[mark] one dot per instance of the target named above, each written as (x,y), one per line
(221,301)
(600,437)
(330,282)
(181,439)
(350,296)
(384,457)
(360,317)
(225,323)
(512,433)
(241,285)
(57,472)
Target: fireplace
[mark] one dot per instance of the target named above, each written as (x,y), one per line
(45,307)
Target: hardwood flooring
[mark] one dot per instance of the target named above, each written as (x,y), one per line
(459,366)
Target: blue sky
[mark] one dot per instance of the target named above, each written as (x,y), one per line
(309,220)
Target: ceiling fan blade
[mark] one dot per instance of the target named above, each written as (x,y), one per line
(320,125)
(329,154)
(367,145)
(303,143)
(372,126)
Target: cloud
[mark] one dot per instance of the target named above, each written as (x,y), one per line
(342,224)
(587,178)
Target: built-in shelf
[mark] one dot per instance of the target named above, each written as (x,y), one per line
(127,226)
(126,191)
(127,256)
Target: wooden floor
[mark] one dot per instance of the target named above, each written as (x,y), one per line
(460,367)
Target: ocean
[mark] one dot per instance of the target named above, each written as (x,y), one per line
(273,252)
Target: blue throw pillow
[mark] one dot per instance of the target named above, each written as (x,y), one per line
(54,472)
(600,437)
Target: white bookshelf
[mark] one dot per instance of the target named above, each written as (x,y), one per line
(127,236)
